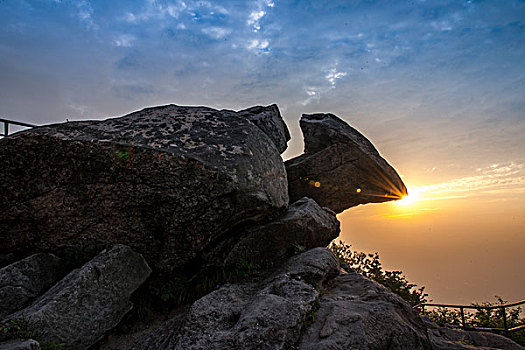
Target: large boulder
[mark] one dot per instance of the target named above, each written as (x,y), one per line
(266,315)
(356,313)
(166,181)
(304,226)
(269,120)
(26,279)
(89,301)
(340,168)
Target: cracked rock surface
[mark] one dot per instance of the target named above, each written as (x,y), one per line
(24,280)
(89,301)
(166,181)
(267,315)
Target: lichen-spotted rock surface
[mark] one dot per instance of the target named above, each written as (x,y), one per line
(166,181)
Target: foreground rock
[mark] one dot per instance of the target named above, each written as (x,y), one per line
(356,313)
(340,168)
(304,226)
(444,338)
(166,181)
(89,301)
(26,279)
(267,315)
(29,344)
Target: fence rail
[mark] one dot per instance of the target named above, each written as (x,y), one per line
(479,307)
(14,122)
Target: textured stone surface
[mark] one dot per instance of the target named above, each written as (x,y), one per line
(268,315)
(304,226)
(89,301)
(22,281)
(29,344)
(444,338)
(166,181)
(356,313)
(340,168)
(269,120)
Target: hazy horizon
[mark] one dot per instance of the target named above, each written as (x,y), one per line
(437,86)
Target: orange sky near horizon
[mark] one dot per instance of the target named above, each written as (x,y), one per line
(462,239)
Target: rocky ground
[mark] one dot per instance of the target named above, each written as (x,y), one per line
(193,209)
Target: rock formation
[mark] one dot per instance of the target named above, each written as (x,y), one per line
(186,189)
(26,279)
(166,181)
(304,226)
(340,168)
(269,120)
(89,301)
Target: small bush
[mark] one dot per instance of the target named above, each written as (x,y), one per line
(369,266)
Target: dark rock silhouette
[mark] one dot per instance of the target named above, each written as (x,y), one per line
(26,279)
(340,168)
(304,226)
(165,180)
(186,188)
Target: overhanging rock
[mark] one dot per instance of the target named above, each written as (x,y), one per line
(340,168)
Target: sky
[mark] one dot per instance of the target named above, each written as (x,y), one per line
(437,86)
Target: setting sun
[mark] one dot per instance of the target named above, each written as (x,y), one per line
(409,199)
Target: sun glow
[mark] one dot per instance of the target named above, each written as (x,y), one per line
(409,199)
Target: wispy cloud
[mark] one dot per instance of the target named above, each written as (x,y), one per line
(216,32)
(253,19)
(333,75)
(85,14)
(157,10)
(124,40)
(494,177)
(259,46)
(256,15)
(315,92)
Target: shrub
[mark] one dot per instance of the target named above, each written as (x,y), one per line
(369,266)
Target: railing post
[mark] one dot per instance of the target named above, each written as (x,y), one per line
(462,317)
(504,319)
(6,128)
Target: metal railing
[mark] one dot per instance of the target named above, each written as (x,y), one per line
(462,308)
(7,122)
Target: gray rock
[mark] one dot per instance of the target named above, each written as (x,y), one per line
(269,120)
(266,315)
(16,344)
(304,226)
(89,301)
(340,168)
(25,279)
(166,181)
(444,338)
(356,313)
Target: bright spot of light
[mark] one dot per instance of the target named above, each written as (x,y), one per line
(409,199)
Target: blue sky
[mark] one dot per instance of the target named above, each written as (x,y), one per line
(437,86)
(393,68)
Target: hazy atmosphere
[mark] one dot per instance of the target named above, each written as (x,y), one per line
(437,86)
